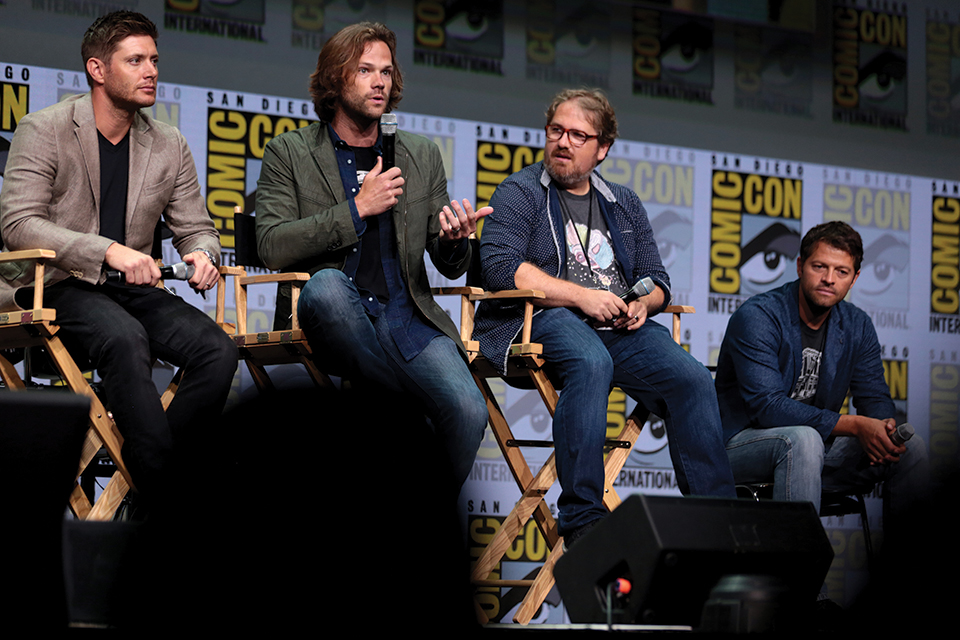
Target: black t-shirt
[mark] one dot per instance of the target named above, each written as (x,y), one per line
(370,271)
(114,176)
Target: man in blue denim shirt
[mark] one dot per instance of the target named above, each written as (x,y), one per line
(326,205)
(582,260)
(788,358)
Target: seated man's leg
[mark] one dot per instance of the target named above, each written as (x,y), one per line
(340,332)
(584,369)
(790,457)
(187,338)
(439,378)
(94,325)
(906,483)
(652,369)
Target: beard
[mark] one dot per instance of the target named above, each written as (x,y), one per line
(566,177)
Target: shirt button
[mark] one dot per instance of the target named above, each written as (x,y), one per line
(349,161)
(353,190)
(354,249)
(370,299)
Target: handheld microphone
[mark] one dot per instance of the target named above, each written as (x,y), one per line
(902,433)
(388,139)
(179,271)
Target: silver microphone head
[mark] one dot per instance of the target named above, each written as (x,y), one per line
(388,124)
(182,271)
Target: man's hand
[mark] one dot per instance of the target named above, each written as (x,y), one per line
(634,318)
(460,223)
(874,437)
(138,268)
(601,305)
(205,275)
(379,191)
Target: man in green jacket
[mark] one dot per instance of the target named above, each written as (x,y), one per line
(327,205)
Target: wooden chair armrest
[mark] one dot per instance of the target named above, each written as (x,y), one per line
(27,254)
(275,277)
(512,293)
(232,271)
(679,308)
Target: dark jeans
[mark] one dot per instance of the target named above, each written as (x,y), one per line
(120,330)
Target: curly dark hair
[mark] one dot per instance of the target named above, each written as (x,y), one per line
(338,59)
(107,31)
(838,235)
(597,107)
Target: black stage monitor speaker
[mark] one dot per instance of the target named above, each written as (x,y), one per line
(675,550)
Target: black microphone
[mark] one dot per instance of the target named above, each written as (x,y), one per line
(902,433)
(388,135)
(899,437)
(179,271)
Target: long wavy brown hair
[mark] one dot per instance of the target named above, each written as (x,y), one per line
(338,59)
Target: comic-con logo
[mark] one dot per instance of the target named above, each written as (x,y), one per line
(459,34)
(882,217)
(773,70)
(672,55)
(498,160)
(14,98)
(568,42)
(943,91)
(235,144)
(944,406)
(945,259)
(666,190)
(236,20)
(870,67)
(754,234)
(313,21)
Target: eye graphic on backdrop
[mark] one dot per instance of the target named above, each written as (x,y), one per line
(765,259)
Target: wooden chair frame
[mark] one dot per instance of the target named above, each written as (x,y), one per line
(526,358)
(259,350)
(37,327)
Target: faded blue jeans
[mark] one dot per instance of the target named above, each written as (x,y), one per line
(361,349)
(801,465)
(653,370)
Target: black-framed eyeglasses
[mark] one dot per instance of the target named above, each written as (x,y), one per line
(576,137)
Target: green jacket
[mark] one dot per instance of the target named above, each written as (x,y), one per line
(304,221)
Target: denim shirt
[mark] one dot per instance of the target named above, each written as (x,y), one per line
(761,359)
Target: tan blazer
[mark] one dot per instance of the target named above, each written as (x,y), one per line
(51,194)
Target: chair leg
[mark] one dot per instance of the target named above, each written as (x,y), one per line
(540,588)
(865,523)
(260,376)
(10,376)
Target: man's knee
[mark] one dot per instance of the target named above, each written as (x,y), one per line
(589,367)
(805,446)
(127,345)
(325,294)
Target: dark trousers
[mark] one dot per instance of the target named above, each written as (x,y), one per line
(120,330)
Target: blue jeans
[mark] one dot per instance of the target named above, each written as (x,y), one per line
(653,370)
(801,465)
(361,349)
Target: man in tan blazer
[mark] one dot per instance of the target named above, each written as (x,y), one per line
(89,178)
